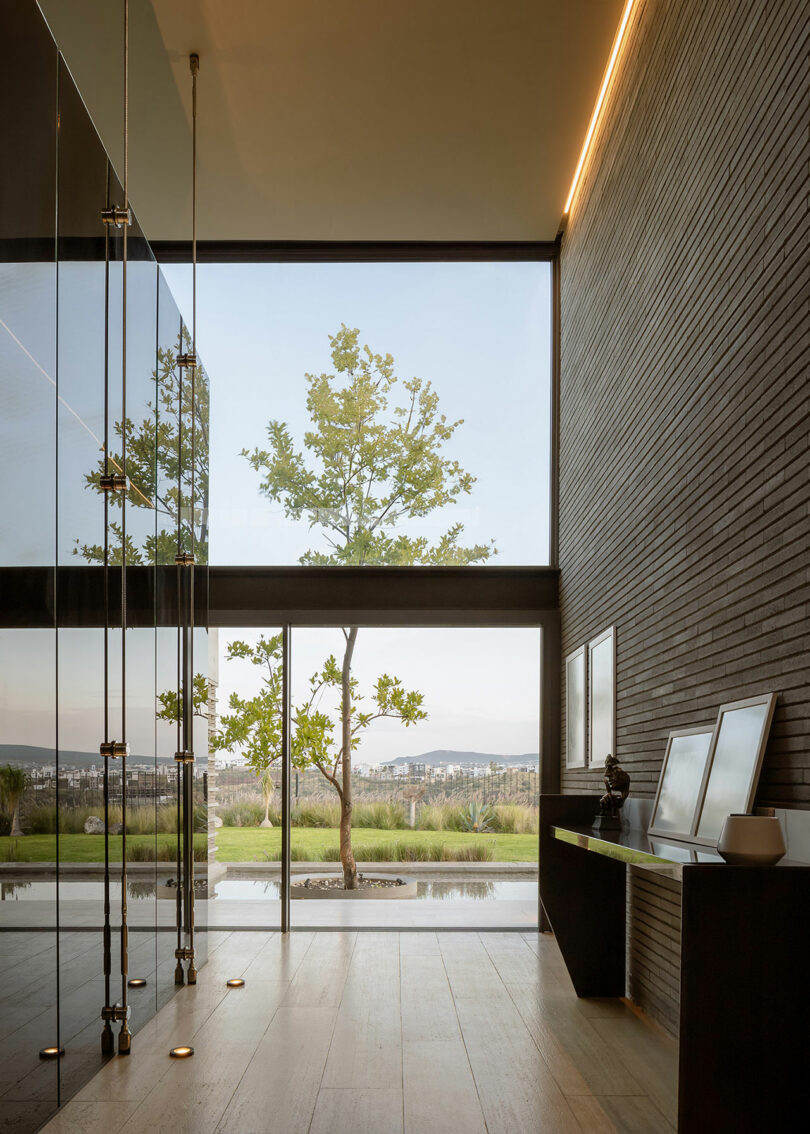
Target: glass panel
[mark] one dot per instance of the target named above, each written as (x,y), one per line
(247,827)
(79,815)
(445,773)
(180,525)
(28,948)
(28,784)
(477,334)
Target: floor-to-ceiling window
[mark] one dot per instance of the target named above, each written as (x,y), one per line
(380,414)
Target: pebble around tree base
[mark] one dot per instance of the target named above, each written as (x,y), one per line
(336,883)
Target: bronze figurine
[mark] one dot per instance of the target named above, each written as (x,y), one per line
(617,784)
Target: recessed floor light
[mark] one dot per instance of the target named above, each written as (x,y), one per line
(51,1052)
(236,982)
(136,982)
(181,1052)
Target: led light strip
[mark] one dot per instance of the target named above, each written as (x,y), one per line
(600,100)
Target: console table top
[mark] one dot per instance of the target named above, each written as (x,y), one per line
(640,849)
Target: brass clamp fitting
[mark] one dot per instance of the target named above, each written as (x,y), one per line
(115,482)
(114,749)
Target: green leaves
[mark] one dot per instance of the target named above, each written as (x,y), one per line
(171,704)
(368,465)
(167,464)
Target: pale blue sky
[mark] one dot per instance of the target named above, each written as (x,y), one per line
(481,686)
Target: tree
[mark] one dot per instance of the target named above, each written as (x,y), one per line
(159,466)
(253,724)
(13,786)
(370,468)
(171,701)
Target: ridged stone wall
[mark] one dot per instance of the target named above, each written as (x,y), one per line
(685,341)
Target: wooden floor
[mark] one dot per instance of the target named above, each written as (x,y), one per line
(385,1033)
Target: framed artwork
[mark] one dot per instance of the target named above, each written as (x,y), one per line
(735,759)
(575,705)
(682,774)
(602,696)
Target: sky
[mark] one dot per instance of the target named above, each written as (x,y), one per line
(481,687)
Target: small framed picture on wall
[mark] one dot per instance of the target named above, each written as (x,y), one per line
(575,709)
(602,696)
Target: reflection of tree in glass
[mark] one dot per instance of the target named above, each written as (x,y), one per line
(14,783)
(159,449)
(370,469)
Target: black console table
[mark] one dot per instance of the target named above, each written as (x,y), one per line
(744,1043)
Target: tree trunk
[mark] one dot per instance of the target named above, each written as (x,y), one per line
(16,829)
(346,853)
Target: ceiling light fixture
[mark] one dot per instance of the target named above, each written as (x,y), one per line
(235,982)
(137,982)
(617,43)
(51,1053)
(181,1052)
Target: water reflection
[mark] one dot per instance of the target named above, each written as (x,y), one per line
(90,889)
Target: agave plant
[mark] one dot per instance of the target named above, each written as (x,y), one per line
(477,817)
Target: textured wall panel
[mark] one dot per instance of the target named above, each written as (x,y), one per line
(685,341)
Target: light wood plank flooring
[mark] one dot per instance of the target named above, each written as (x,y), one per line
(385,1033)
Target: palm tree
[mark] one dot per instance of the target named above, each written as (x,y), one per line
(268,788)
(13,785)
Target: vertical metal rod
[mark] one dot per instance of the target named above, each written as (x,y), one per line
(188,684)
(56,638)
(286,722)
(124,1037)
(107,1037)
(188,787)
(179,976)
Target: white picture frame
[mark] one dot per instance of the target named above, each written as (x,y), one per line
(735,760)
(602,697)
(679,786)
(576,704)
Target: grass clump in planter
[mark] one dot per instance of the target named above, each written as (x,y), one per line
(395,851)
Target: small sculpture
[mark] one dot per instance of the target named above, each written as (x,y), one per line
(617,783)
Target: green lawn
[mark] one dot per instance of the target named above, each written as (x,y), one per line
(249,844)
(89,848)
(246,844)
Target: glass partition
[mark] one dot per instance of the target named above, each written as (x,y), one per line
(29,1084)
(64,682)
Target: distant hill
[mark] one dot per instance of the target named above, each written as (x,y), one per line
(33,754)
(442,756)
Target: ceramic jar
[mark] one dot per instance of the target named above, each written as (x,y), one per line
(751,840)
